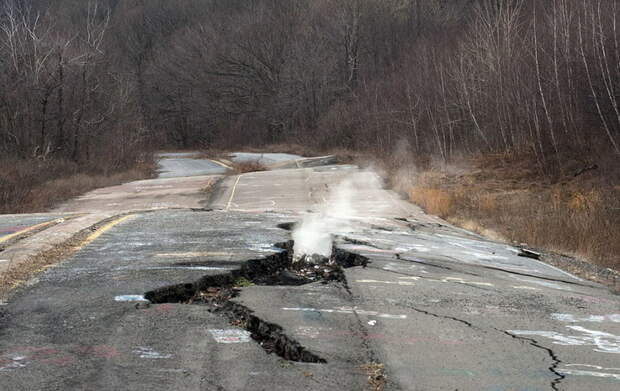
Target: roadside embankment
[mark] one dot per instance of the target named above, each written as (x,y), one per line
(576,214)
(33,185)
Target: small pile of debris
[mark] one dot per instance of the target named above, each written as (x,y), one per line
(214,296)
(376,375)
(316,267)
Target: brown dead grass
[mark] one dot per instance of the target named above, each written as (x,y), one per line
(433,199)
(248,166)
(376,376)
(506,199)
(34,186)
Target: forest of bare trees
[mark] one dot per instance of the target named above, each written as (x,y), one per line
(97,82)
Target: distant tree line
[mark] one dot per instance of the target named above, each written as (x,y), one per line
(92,80)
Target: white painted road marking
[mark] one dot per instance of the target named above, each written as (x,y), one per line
(130,298)
(146,352)
(604,342)
(230,335)
(416,278)
(592,318)
(13,363)
(408,283)
(590,370)
(171,268)
(345,310)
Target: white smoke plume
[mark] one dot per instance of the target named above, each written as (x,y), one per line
(343,206)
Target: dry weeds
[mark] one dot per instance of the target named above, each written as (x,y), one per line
(248,166)
(434,200)
(33,186)
(292,148)
(376,376)
(577,216)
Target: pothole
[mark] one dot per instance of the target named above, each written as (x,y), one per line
(216,291)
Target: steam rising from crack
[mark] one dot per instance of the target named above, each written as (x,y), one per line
(337,215)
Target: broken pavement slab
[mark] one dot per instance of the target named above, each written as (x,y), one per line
(20,226)
(150,194)
(28,255)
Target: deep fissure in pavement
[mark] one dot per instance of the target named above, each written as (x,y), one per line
(216,292)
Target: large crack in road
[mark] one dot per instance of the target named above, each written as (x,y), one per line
(217,291)
(553,368)
(554,358)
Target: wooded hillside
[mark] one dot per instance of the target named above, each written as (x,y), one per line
(96,82)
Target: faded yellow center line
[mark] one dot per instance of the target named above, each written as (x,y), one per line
(90,238)
(222,164)
(30,229)
(232,193)
(50,258)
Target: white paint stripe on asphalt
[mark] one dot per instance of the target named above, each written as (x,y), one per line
(578,372)
(570,318)
(130,298)
(146,352)
(593,366)
(230,335)
(408,283)
(171,268)
(526,287)
(348,311)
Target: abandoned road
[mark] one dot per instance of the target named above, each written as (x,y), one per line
(180,284)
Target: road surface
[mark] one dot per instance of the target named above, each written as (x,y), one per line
(422,305)
(13,226)
(266,159)
(186,164)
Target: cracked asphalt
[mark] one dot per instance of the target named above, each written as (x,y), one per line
(440,308)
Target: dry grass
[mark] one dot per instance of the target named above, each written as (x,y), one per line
(376,376)
(248,166)
(34,186)
(578,216)
(434,200)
